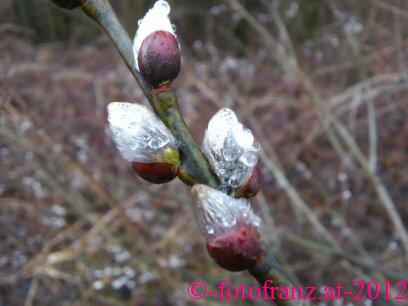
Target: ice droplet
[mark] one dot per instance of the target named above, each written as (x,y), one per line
(138,133)
(216,212)
(230,148)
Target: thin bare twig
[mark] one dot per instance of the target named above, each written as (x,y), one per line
(334,126)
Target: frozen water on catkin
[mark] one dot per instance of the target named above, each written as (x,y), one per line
(230,148)
(156,19)
(138,133)
(217,213)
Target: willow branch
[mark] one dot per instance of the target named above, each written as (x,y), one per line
(102,13)
(194,166)
(269,273)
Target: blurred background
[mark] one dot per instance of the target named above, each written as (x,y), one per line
(323,85)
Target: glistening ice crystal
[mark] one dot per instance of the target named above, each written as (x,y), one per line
(230,148)
(139,134)
(217,213)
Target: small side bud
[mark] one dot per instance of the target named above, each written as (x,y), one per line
(156,48)
(68,4)
(251,187)
(230,227)
(143,139)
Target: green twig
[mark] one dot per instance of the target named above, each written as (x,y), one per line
(269,270)
(193,161)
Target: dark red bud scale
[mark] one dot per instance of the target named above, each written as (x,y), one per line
(68,4)
(159,58)
(156,173)
(252,185)
(238,249)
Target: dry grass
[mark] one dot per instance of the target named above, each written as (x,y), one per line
(77,227)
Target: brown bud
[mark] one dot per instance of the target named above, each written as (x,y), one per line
(159,58)
(157,173)
(238,249)
(252,186)
(68,4)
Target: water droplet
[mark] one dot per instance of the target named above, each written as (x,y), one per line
(249,158)
(164,139)
(210,230)
(229,153)
(146,137)
(155,143)
(236,179)
(255,146)
(256,221)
